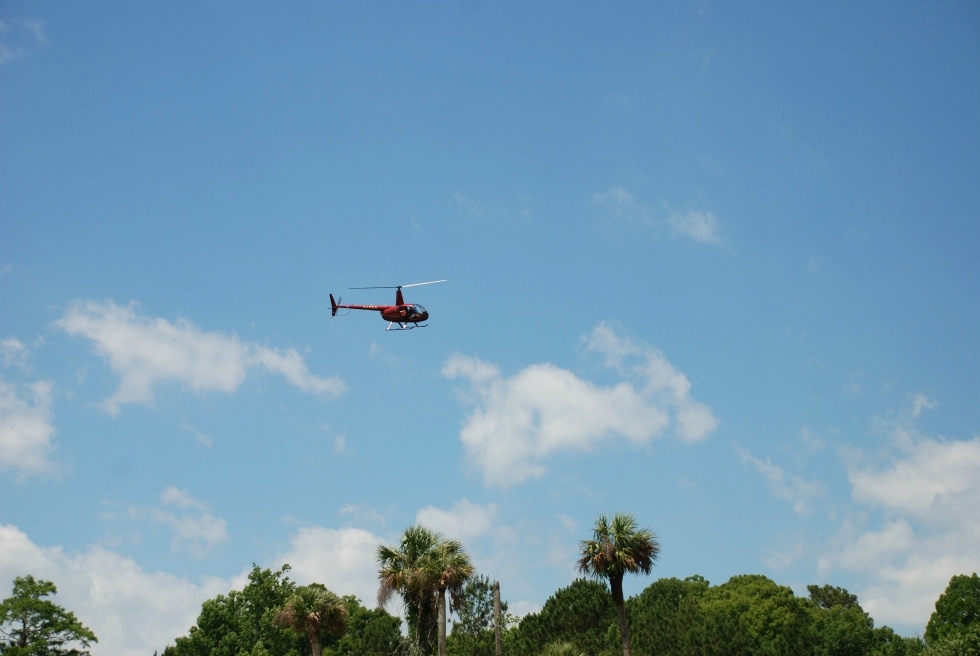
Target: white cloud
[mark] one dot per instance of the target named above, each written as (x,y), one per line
(147,351)
(198,534)
(923,521)
(700,226)
(799,492)
(341,559)
(464,521)
(132,612)
(26,429)
(518,422)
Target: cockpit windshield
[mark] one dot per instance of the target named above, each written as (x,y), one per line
(417,309)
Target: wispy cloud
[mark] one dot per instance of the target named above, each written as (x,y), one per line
(199,436)
(621,205)
(467,207)
(518,422)
(26,428)
(702,227)
(146,351)
(13,353)
(20,37)
(799,492)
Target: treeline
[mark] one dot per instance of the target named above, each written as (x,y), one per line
(747,615)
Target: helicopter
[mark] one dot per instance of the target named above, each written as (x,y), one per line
(400,313)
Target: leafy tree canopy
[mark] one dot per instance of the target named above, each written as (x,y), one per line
(957,609)
(667,618)
(473,632)
(828,596)
(32,625)
(752,614)
(372,632)
(580,614)
(241,622)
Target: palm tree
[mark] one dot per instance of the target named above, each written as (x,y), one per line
(618,547)
(401,571)
(422,569)
(311,611)
(452,568)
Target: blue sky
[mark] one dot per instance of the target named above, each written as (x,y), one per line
(713,265)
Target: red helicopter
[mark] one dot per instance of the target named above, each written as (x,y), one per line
(401,312)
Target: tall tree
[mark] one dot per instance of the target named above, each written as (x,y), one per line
(31,624)
(313,611)
(401,571)
(422,569)
(618,547)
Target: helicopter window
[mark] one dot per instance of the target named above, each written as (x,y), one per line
(418,309)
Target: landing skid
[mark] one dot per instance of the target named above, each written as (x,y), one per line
(405,326)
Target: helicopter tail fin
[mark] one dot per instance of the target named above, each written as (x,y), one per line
(333,306)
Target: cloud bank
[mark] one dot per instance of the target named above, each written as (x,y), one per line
(918,522)
(517,422)
(133,612)
(146,352)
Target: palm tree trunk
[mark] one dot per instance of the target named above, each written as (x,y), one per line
(315,646)
(497,635)
(616,584)
(442,623)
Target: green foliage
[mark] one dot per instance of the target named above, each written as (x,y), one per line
(315,613)
(473,632)
(369,632)
(885,642)
(561,649)
(31,625)
(751,614)
(666,617)
(241,622)
(841,631)
(580,614)
(618,547)
(828,596)
(957,609)
(966,643)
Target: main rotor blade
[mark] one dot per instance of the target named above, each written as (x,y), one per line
(414,284)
